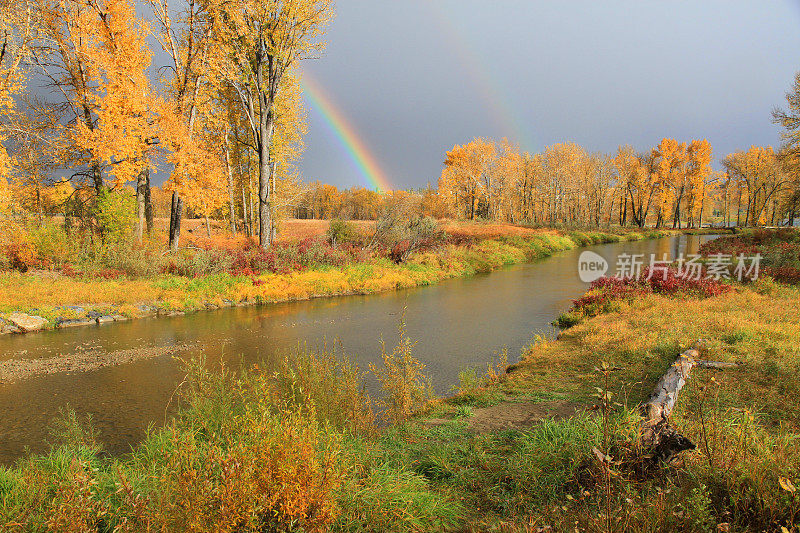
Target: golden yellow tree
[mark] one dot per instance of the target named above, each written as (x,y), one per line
(125,131)
(698,173)
(184,33)
(262,41)
(19,22)
(637,186)
(762,176)
(62,57)
(467,177)
(667,179)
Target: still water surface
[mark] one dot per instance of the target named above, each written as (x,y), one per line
(457,324)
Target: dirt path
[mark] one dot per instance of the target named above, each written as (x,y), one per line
(514,414)
(518,414)
(15,370)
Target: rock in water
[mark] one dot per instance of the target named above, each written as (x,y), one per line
(27,322)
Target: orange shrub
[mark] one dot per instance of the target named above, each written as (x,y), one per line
(266,471)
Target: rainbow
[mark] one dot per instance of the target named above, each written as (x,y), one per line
(505,118)
(347,136)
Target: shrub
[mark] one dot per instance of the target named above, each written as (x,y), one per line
(341,232)
(115,214)
(402,234)
(407,390)
(605,292)
(332,384)
(18,253)
(52,244)
(779,250)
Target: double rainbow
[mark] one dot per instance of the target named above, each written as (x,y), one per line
(493,94)
(497,99)
(345,134)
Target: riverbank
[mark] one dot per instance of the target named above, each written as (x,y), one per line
(508,452)
(518,451)
(47,299)
(744,421)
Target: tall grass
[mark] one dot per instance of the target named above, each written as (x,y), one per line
(289,449)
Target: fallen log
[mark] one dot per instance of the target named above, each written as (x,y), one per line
(660,440)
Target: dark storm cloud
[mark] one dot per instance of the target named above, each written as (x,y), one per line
(416,77)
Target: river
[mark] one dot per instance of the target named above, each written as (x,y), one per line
(457,324)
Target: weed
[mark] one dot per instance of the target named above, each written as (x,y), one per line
(402,378)
(463,411)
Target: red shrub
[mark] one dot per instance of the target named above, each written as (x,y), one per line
(110,273)
(609,289)
(785,274)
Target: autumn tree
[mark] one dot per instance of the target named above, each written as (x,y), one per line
(125,131)
(565,167)
(667,178)
(19,23)
(789,120)
(262,41)
(698,174)
(634,176)
(525,194)
(62,57)
(760,171)
(466,179)
(184,33)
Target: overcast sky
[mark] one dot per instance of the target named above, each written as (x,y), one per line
(415,77)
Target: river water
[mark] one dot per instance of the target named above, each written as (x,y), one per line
(457,324)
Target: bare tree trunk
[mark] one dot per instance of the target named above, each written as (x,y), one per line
(176,214)
(231,204)
(148,205)
(658,435)
(143,204)
(253,205)
(245,220)
(659,438)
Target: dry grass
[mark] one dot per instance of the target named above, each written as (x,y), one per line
(289,230)
(298,229)
(756,325)
(489,230)
(21,291)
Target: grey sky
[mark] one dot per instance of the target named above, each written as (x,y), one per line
(415,77)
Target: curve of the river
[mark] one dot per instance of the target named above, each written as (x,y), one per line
(457,324)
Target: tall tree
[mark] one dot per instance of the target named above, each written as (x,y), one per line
(698,173)
(263,40)
(185,35)
(125,131)
(62,57)
(634,174)
(467,176)
(789,119)
(760,171)
(19,21)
